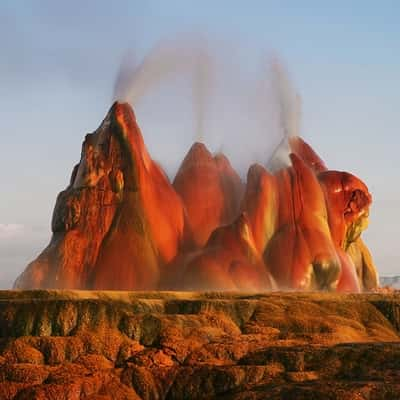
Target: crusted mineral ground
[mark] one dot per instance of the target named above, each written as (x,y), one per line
(70,345)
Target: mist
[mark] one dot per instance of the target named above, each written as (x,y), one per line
(189,59)
(246,113)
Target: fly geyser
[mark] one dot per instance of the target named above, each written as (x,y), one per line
(122,225)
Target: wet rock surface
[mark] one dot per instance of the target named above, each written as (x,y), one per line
(189,345)
(121,224)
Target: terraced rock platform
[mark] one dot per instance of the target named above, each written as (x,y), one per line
(69,345)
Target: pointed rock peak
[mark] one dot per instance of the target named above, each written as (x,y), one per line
(255,171)
(221,159)
(258,179)
(198,147)
(119,120)
(123,123)
(224,165)
(122,111)
(199,150)
(198,154)
(303,150)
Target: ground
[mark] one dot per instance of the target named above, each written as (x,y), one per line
(72,345)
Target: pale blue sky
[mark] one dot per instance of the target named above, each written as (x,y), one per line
(59,60)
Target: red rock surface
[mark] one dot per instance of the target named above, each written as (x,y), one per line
(301,254)
(347,203)
(121,224)
(211,191)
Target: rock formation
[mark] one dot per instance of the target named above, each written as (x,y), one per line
(301,254)
(211,191)
(121,224)
(347,201)
(303,227)
(146,346)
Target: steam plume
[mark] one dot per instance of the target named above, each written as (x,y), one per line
(289,110)
(258,114)
(289,102)
(168,59)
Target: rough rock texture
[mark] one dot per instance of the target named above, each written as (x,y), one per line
(174,345)
(122,225)
(118,223)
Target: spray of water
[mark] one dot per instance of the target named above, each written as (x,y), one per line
(288,105)
(287,97)
(257,114)
(202,82)
(169,59)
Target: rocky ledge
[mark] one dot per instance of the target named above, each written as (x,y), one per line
(70,345)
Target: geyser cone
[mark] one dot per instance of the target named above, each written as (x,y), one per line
(118,222)
(304,151)
(301,254)
(347,202)
(211,191)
